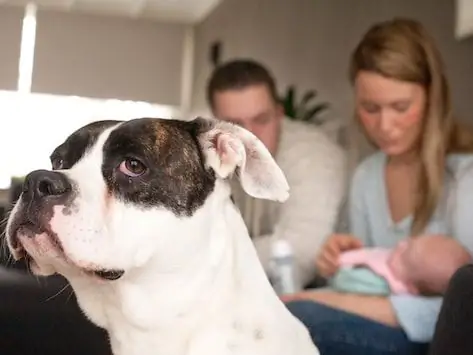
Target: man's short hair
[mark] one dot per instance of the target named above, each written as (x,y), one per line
(239,74)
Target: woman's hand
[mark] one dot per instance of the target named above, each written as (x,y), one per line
(327,260)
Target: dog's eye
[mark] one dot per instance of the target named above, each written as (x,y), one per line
(57,163)
(132,167)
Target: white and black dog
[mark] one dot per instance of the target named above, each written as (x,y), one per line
(137,215)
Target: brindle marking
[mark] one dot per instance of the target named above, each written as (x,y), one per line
(175,178)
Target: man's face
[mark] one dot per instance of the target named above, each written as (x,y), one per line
(252,108)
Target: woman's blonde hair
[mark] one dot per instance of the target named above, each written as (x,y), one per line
(402,49)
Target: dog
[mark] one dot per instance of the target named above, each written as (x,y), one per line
(137,216)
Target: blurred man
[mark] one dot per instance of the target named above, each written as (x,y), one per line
(244,92)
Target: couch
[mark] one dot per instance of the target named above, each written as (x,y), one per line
(40,316)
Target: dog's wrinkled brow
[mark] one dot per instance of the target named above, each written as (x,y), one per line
(176,178)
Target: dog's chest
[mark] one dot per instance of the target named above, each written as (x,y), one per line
(126,341)
(213,341)
(226,333)
(229,341)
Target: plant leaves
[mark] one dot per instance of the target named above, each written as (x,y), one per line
(289,103)
(313,113)
(303,107)
(302,111)
(309,95)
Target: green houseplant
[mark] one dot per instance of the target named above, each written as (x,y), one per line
(306,109)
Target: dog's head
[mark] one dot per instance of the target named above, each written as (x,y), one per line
(120,193)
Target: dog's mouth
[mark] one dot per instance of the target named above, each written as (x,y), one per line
(110,275)
(29,230)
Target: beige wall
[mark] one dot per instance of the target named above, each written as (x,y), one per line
(308,42)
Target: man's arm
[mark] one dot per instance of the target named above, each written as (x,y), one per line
(317,188)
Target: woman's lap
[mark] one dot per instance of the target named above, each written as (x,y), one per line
(340,333)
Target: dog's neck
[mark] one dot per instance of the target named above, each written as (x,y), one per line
(152,307)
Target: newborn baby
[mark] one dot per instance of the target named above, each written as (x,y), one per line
(421,265)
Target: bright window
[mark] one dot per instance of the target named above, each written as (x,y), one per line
(34,124)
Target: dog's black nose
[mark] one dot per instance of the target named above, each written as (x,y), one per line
(44,184)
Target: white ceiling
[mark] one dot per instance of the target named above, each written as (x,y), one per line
(186,11)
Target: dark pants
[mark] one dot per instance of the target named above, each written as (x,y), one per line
(340,333)
(454,330)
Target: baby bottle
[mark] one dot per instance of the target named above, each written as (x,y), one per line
(283,273)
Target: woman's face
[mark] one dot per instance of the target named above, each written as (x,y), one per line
(391,111)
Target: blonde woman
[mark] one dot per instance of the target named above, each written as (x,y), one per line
(420,182)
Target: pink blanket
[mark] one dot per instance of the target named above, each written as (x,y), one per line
(377,260)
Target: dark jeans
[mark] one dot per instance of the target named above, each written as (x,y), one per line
(340,333)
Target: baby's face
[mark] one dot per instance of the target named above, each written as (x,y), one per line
(411,258)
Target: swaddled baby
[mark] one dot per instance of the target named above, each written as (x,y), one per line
(421,265)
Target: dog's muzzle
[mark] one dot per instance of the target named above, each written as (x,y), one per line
(42,191)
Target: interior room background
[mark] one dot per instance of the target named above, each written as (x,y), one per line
(65,63)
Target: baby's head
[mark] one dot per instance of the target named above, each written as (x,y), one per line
(427,263)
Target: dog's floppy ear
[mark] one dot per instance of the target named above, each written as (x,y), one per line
(230,149)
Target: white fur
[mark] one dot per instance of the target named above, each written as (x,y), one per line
(192,286)
(259,175)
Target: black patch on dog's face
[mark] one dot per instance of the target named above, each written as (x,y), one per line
(175,177)
(78,143)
